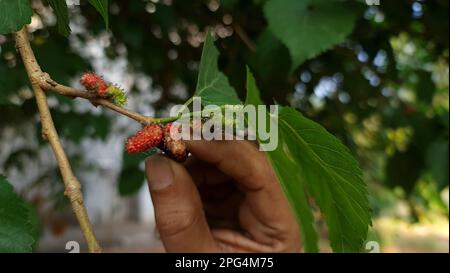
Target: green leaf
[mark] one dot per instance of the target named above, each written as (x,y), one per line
(213,86)
(17,225)
(332,176)
(62,16)
(132,177)
(310,27)
(14,15)
(287,171)
(310,161)
(102,7)
(253,94)
(270,50)
(34,227)
(131,180)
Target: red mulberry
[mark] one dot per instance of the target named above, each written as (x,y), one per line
(94,82)
(149,137)
(175,149)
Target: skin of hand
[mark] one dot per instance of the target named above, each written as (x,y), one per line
(225,198)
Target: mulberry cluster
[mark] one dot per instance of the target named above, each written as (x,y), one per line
(98,86)
(152,136)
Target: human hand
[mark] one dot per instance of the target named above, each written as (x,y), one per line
(226,198)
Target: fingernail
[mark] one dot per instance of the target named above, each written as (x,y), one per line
(159,172)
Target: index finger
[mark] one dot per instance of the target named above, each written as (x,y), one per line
(265,213)
(239,159)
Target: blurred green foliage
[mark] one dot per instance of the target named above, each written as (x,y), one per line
(383,91)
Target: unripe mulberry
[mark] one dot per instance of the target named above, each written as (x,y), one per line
(94,82)
(117,95)
(175,149)
(149,137)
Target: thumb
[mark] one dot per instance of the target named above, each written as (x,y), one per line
(178,209)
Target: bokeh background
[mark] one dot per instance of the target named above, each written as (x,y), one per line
(384,92)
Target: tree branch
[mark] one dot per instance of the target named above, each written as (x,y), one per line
(47,83)
(244,37)
(72,185)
